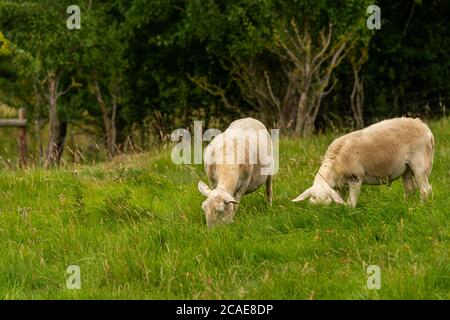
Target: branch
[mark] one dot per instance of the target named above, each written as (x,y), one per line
(269,87)
(212,89)
(290,55)
(326,43)
(325,93)
(72,85)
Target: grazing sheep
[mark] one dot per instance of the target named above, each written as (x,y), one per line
(378,154)
(237,162)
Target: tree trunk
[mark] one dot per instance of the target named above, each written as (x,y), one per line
(109,122)
(357,95)
(57,130)
(39,141)
(308,127)
(357,99)
(113,142)
(52,153)
(61,139)
(301,114)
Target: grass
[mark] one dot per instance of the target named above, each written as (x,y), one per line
(135,228)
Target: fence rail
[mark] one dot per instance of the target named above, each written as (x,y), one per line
(13,123)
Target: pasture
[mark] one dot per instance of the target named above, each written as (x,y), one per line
(136,229)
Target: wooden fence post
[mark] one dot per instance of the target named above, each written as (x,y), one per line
(22,140)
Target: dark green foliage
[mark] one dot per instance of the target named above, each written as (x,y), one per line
(154,51)
(409,67)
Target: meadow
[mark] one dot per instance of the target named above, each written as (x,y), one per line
(135,228)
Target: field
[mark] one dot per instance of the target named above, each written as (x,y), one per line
(135,228)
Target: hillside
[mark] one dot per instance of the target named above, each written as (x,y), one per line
(135,228)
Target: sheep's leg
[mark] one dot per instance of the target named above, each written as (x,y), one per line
(354,187)
(409,184)
(421,171)
(269,190)
(424,186)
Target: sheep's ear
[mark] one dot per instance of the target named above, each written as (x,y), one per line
(303,196)
(336,197)
(229,199)
(203,188)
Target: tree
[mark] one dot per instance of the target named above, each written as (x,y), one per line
(281,55)
(103,64)
(307,68)
(357,60)
(52,52)
(409,59)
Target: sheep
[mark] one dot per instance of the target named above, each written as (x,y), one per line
(237,162)
(378,154)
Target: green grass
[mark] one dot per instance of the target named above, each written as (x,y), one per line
(135,228)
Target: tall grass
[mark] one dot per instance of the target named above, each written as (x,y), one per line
(135,228)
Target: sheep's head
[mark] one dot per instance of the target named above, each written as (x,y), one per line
(320,194)
(219,207)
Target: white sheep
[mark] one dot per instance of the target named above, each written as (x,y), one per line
(237,162)
(378,154)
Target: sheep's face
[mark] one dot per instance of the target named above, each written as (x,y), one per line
(217,210)
(319,194)
(219,207)
(321,197)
